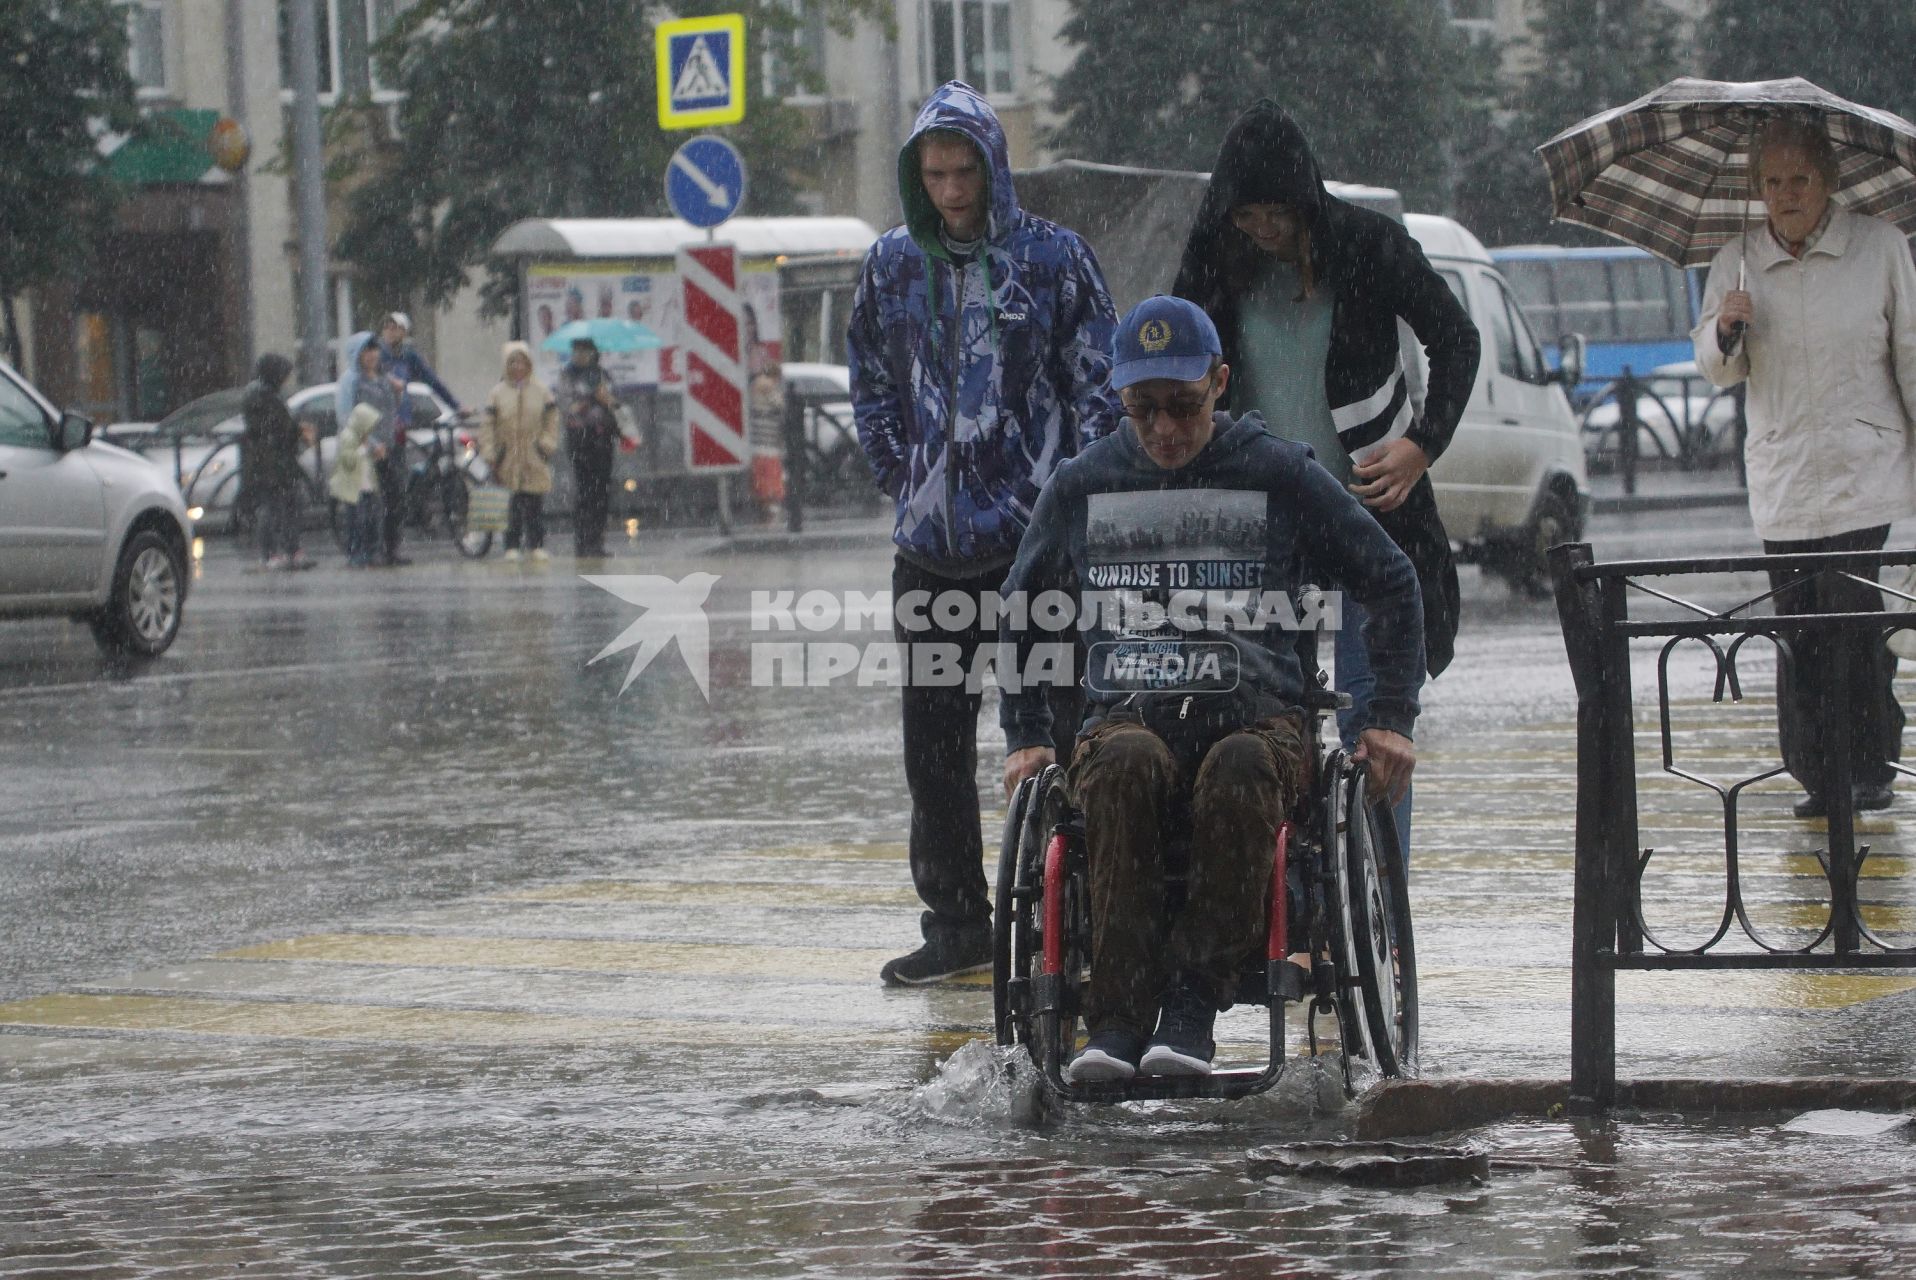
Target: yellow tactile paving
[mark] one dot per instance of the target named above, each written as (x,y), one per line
(1799,992)
(588,954)
(730,893)
(301,1021)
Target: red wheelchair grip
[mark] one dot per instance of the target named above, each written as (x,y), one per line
(1054,905)
(1278,945)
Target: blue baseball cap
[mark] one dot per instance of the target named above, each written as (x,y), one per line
(1164,337)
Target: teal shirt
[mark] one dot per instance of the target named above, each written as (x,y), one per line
(1282,347)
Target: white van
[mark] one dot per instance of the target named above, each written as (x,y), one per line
(1512,483)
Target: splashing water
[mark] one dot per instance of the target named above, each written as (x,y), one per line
(983,1084)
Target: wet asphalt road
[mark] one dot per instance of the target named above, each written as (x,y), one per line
(372,931)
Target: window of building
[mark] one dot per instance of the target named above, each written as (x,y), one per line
(1475,18)
(328,16)
(792,53)
(381,17)
(970,40)
(146,45)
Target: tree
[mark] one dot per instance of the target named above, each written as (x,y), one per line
(1590,55)
(534,108)
(1860,49)
(66,77)
(1380,86)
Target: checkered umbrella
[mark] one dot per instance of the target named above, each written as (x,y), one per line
(1670,171)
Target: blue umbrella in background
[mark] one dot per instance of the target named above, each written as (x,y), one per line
(608,334)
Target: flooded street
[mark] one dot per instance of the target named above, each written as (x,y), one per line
(373,932)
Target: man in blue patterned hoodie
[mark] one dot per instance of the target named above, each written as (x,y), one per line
(980,356)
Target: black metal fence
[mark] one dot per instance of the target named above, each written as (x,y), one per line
(1609,930)
(1662,421)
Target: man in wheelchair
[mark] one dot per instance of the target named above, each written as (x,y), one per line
(1189,536)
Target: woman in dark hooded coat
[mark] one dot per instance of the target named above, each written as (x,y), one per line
(1307,291)
(270,482)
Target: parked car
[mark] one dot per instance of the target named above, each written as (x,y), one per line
(835,462)
(1512,484)
(201,442)
(88,530)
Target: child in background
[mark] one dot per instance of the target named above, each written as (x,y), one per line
(355,487)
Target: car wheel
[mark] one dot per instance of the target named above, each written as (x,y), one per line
(142,613)
(1555,521)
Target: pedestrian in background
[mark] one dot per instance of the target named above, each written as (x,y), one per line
(372,386)
(270,482)
(354,487)
(1822,327)
(1307,292)
(980,353)
(586,403)
(518,438)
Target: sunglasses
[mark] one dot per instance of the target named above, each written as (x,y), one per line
(1182,409)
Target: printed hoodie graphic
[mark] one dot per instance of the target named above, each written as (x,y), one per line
(971,381)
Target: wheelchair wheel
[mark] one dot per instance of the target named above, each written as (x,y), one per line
(1385,959)
(1337,905)
(1015,920)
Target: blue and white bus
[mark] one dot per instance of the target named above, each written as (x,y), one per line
(1631,308)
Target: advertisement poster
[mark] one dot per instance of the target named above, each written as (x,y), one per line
(647,293)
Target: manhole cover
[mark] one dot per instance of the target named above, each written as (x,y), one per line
(1382,1164)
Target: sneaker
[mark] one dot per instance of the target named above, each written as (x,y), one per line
(1878,795)
(1183,1044)
(540,555)
(512,555)
(1810,806)
(1108,1055)
(940,958)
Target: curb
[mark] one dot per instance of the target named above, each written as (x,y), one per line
(1410,1108)
(1625,503)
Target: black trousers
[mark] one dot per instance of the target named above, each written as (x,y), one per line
(592,474)
(278,513)
(526,521)
(1866,704)
(941,759)
(391,471)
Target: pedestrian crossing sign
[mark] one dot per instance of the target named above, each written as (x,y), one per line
(701,71)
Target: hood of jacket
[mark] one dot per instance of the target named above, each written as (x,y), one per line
(511,349)
(1264,159)
(1229,437)
(958,108)
(347,388)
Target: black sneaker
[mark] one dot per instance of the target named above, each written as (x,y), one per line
(940,958)
(1183,1044)
(1108,1055)
(1810,806)
(1879,795)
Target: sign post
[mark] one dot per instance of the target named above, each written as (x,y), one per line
(701,63)
(715,363)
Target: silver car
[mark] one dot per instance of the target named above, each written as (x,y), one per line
(88,530)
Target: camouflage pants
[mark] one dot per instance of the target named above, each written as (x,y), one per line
(1131,789)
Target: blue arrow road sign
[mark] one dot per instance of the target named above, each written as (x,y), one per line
(705,183)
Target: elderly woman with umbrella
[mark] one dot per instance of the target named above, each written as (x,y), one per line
(1814,308)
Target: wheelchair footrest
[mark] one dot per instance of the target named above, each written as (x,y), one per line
(1286,980)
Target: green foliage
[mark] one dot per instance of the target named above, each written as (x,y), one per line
(539,108)
(1590,55)
(1382,87)
(63,73)
(1860,49)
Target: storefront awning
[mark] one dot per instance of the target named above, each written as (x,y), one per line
(170,150)
(661,237)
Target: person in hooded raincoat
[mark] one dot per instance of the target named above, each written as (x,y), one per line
(980,352)
(1307,292)
(270,482)
(518,438)
(355,485)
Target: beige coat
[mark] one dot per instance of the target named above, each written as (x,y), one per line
(520,435)
(1830,357)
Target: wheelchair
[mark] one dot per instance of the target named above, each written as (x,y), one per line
(1338,895)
